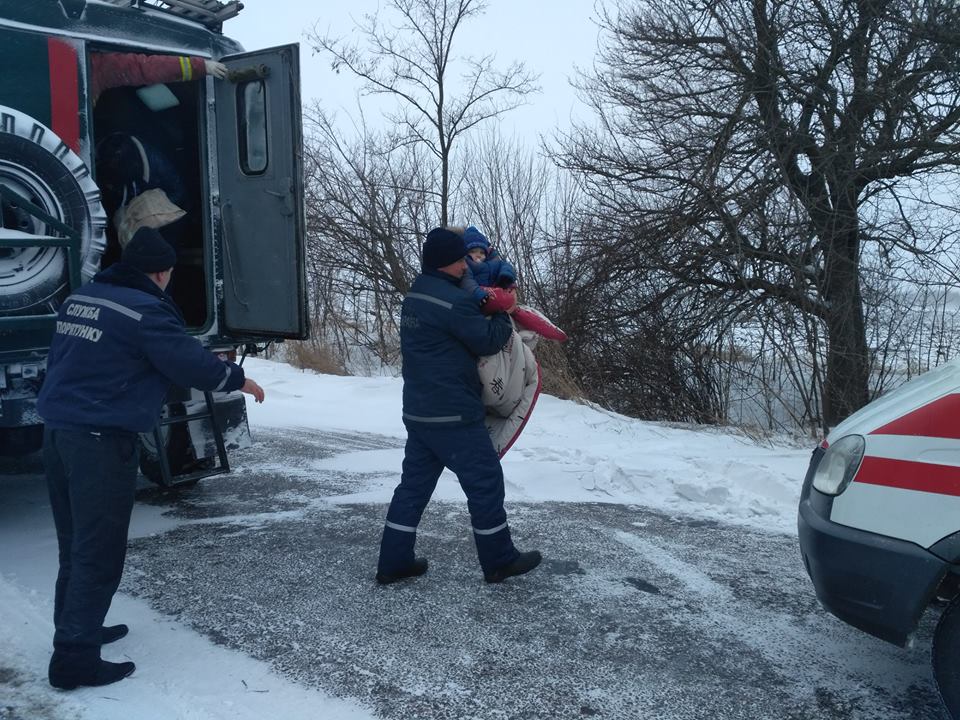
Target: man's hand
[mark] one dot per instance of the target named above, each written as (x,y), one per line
(251,388)
(219,71)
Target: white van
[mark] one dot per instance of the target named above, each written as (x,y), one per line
(879,518)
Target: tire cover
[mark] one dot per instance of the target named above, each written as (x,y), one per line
(36,162)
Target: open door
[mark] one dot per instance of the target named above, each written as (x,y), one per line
(259,148)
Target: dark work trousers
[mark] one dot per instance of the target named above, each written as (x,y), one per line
(92,478)
(469,453)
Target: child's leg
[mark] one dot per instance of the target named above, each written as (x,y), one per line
(529,319)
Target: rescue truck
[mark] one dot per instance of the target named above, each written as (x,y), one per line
(879,519)
(233,147)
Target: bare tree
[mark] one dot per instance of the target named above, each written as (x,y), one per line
(413,61)
(773,373)
(754,151)
(367,208)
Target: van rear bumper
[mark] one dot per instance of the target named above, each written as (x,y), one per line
(18,410)
(878,584)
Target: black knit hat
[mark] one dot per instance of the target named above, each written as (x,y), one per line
(443,247)
(148,252)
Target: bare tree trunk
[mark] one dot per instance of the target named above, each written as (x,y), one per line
(411,57)
(847,380)
(444,189)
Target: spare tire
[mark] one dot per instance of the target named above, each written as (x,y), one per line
(38,165)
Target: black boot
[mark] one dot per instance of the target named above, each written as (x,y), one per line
(524,563)
(418,568)
(65,672)
(112,633)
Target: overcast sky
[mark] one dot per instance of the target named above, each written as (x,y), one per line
(550,38)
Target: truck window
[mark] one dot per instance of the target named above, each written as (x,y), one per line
(252,116)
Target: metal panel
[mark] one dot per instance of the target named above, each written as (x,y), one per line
(260,146)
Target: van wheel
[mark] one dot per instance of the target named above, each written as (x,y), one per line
(946,658)
(37,165)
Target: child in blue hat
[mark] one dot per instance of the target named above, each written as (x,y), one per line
(485,267)
(493,283)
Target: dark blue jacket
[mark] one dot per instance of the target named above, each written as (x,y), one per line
(492,272)
(442,334)
(119,344)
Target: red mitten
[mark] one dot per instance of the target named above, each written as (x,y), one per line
(498,300)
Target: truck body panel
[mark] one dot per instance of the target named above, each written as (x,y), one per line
(235,147)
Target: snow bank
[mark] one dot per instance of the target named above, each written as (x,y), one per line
(567,452)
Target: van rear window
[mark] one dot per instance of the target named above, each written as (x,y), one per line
(252,133)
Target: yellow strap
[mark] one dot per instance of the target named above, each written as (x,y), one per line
(186,68)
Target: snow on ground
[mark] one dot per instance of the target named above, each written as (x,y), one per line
(180,675)
(567,452)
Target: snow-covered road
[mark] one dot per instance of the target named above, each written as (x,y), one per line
(636,613)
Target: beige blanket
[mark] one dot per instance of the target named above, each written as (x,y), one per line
(511,385)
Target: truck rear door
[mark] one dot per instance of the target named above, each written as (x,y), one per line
(260,157)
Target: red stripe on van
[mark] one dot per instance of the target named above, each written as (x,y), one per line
(940,419)
(909,475)
(64,93)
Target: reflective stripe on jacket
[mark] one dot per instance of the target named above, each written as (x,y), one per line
(118,345)
(442,334)
(112,69)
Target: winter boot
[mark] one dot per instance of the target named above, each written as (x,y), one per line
(418,568)
(112,633)
(524,563)
(65,672)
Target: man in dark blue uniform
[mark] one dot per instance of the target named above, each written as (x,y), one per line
(119,344)
(442,334)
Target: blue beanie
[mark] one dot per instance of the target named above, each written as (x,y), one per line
(473,238)
(443,247)
(148,252)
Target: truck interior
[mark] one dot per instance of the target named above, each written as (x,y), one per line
(165,138)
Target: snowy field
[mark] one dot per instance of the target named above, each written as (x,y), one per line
(568,453)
